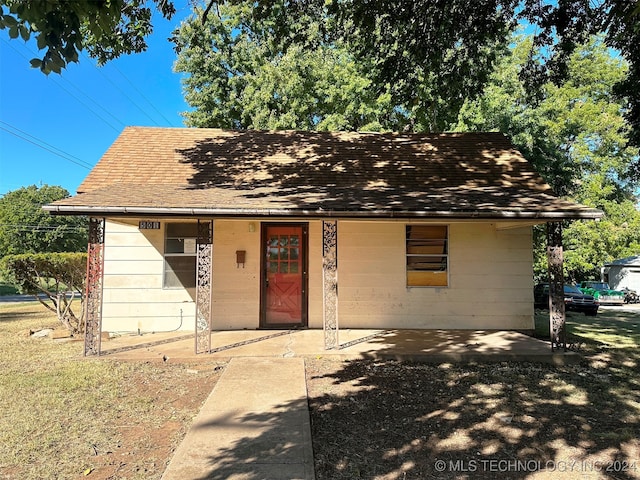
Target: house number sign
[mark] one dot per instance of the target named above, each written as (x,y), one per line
(149,225)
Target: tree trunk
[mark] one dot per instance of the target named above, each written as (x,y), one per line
(557,317)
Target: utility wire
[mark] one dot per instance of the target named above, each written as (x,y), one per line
(115,129)
(143,96)
(43,147)
(124,94)
(42,228)
(36,139)
(75,96)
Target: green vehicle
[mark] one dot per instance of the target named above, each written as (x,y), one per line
(602,293)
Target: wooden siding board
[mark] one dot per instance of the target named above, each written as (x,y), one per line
(133,296)
(236,289)
(490,278)
(490,270)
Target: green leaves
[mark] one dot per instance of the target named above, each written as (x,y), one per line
(577,137)
(53,275)
(64,28)
(242,76)
(28,271)
(25,227)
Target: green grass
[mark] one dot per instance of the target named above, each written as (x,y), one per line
(610,328)
(44,384)
(6,288)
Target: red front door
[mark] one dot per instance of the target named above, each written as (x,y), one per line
(284,276)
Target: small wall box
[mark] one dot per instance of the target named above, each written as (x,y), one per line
(241,257)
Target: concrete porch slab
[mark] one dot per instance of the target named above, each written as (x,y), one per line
(433,346)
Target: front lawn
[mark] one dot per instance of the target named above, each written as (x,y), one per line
(69,417)
(64,416)
(617,327)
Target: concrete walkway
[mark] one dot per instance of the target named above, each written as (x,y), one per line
(254,425)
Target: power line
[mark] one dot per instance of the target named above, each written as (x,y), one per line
(124,94)
(42,228)
(44,148)
(89,108)
(143,96)
(87,164)
(73,95)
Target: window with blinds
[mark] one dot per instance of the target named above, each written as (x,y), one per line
(180,255)
(427,255)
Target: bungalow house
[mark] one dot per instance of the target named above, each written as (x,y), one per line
(210,229)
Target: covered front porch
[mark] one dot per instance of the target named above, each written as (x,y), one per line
(462,343)
(433,346)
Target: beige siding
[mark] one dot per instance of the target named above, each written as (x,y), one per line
(133,297)
(236,290)
(490,279)
(315,274)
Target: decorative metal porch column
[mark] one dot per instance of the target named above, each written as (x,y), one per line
(93,292)
(557,317)
(330,283)
(204,273)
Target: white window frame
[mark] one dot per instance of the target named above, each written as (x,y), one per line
(189,250)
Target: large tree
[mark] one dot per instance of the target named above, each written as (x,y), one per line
(432,55)
(577,137)
(574,131)
(26,228)
(429,55)
(240,76)
(287,62)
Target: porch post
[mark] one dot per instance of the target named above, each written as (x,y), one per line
(557,317)
(93,291)
(204,273)
(330,283)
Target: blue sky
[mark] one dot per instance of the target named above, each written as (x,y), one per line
(80,113)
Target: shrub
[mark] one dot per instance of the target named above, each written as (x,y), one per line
(56,280)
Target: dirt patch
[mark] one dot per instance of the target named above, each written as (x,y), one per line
(142,447)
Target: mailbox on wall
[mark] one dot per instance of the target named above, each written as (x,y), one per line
(240,258)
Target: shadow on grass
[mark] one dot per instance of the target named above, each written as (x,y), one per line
(618,327)
(13,312)
(392,420)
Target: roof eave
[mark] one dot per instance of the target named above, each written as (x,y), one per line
(591,214)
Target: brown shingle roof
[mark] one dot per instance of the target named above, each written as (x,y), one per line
(269,172)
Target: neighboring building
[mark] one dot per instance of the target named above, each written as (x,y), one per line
(285,229)
(623,273)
